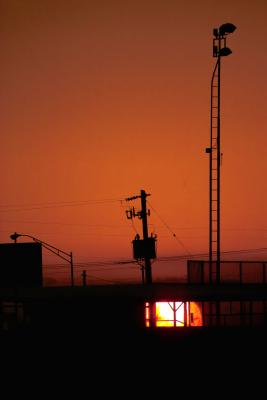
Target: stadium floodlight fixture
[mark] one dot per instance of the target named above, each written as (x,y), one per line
(227,28)
(225,51)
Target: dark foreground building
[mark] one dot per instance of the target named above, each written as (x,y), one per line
(240,300)
(20,265)
(165,312)
(167,317)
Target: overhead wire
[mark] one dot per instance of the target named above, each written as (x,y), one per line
(61,223)
(169,229)
(116,264)
(38,206)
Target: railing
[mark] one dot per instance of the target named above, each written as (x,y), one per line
(242,272)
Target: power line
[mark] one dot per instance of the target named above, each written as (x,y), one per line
(65,202)
(169,229)
(90,276)
(39,206)
(184,257)
(114,263)
(61,223)
(80,267)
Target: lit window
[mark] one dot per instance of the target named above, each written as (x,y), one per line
(172,314)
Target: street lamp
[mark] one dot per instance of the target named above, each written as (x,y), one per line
(60,253)
(219,50)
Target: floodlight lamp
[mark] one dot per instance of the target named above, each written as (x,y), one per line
(227,28)
(225,51)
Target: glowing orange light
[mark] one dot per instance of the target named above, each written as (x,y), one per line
(195,314)
(170,314)
(174,314)
(147,314)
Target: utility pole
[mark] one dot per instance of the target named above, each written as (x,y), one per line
(71,269)
(84,277)
(148,272)
(143,249)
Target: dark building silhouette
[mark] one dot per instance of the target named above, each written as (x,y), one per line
(196,313)
(20,265)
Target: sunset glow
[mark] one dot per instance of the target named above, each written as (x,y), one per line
(170,314)
(100,99)
(174,314)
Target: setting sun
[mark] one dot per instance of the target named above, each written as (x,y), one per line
(170,314)
(173,314)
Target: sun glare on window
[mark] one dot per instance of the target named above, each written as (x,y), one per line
(172,314)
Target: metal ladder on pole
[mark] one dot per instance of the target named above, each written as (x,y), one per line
(215,160)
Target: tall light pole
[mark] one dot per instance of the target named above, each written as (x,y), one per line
(214,151)
(60,253)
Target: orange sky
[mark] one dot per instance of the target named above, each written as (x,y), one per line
(100,99)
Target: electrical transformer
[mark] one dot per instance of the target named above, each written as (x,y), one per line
(144,248)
